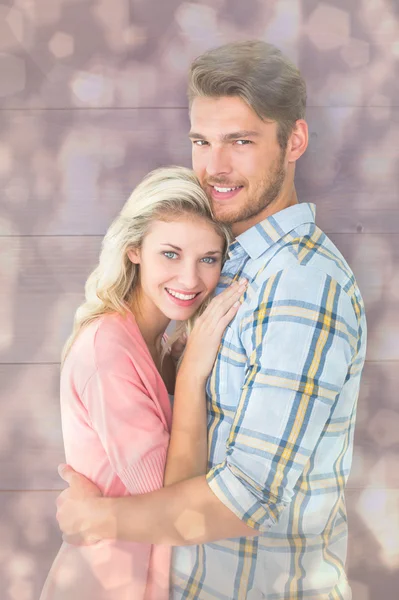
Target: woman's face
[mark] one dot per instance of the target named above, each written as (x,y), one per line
(180,263)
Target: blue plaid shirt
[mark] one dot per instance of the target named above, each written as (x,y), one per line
(281,411)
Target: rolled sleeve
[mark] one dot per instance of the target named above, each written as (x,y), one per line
(233,489)
(300,342)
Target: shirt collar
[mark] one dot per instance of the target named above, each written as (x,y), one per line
(259,238)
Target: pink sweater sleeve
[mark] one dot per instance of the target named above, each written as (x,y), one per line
(129,427)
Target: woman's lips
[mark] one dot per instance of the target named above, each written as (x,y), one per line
(182,301)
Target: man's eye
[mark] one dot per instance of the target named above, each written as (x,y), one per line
(243,142)
(170,254)
(199,142)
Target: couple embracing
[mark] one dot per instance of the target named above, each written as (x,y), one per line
(212,464)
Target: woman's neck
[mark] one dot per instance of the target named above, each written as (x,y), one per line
(152,324)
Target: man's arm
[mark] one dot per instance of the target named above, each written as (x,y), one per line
(182,514)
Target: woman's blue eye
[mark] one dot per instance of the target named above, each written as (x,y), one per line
(209,260)
(170,254)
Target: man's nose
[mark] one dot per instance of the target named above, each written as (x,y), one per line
(218,162)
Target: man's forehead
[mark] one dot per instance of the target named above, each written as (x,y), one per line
(225,115)
(223,106)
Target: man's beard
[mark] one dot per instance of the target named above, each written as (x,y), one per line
(267,191)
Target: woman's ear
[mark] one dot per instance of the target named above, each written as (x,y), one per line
(134,255)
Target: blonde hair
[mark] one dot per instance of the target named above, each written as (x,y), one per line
(259,74)
(164,194)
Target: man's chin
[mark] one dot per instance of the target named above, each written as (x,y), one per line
(226,214)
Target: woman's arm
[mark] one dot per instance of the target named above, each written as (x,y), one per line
(188,448)
(121,410)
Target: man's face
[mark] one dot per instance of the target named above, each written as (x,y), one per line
(237,159)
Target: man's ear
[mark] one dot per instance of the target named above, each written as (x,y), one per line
(298,141)
(134,255)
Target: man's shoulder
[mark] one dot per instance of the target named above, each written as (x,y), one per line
(307,252)
(306,269)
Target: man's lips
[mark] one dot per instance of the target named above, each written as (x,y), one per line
(224,192)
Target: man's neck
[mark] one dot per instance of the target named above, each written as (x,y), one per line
(280,204)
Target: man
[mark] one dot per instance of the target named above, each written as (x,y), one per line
(269,519)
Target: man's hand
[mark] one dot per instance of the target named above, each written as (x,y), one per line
(74,507)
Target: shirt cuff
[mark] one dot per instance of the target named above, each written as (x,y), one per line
(147,475)
(227,483)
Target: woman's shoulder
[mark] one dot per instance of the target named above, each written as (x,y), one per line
(110,342)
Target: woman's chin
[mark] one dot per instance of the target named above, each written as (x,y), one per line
(180,314)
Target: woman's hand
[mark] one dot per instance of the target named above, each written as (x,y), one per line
(204,340)
(178,347)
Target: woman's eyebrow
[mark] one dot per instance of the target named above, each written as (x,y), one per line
(180,250)
(171,245)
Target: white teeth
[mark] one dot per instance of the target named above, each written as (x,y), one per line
(181,296)
(224,190)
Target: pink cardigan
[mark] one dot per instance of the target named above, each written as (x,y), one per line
(116,419)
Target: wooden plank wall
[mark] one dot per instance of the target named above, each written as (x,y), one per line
(92,96)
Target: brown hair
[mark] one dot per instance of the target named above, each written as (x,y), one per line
(259,74)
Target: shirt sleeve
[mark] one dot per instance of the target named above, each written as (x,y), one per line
(300,341)
(129,427)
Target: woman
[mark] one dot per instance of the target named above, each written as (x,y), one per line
(160,261)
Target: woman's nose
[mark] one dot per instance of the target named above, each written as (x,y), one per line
(188,277)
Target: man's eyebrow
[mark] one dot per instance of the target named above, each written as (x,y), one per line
(238,135)
(192,135)
(227,137)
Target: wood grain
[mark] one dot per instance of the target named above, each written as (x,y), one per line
(30,427)
(373,549)
(30,540)
(92,97)
(138,53)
